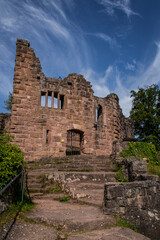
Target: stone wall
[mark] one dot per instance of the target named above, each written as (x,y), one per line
(37,124)
(136,202)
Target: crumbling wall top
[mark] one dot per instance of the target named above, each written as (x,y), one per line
(23,42)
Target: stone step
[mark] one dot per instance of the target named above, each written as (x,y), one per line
(79,176)
(71,217)
(74,162)
(84,166)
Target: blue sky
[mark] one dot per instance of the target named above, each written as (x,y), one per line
(115,44)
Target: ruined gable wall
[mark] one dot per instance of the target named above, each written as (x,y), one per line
(113,126)
(25,95)
(32,123)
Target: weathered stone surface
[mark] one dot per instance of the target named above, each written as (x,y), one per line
(35,127)
(71,217)
(118,233)
(28,231)
(135,170)
(137,202)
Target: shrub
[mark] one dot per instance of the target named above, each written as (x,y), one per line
(64,199)
(119,176)
(11,159)
(141,150)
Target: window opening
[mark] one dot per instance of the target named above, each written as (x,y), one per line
(55,100)
(49,102)
(61,101)
(98,114)
(43,99)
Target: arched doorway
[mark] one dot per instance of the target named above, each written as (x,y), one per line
(74,142)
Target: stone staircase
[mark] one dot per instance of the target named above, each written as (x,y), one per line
(82,216)
(80,177)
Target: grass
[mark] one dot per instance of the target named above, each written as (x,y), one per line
(88,170)
(56,189)
(153,169)
(122,223)
(8,215)
(64,199)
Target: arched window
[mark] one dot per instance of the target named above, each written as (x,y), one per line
(99,114)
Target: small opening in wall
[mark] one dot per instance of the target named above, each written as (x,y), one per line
(69,83)
(47,136)
(49,103)
(55,100)
(61,101)
(43,99)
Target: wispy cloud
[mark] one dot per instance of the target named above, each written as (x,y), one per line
(60,43)
(152,73)
(130,66)
(111,41)
(5,84)
(125,83)
(112,5)
(98,82)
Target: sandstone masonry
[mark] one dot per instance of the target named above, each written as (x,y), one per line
(61,116)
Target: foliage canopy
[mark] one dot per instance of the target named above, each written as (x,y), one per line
(11,159)
(8,103)
(145,113)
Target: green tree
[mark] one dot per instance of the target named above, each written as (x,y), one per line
(145,113)
(11,159)
(8,103)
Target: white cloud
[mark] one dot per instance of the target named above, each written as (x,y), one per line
(99,83)
(5,85)
(41,17)
(152,73)
(112,5)
(107,74)
(60,44)
(111,41)
(8,24)
(130,66)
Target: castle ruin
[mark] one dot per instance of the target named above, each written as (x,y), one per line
(61,115)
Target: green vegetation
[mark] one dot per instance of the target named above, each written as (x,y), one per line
(119,176)
(154,170)
(11,159)
(141,150)
(88,170)
(64,199)
(57,161)
(122,223)
(56,189)
(14,209)
(145,114)
(8,103)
